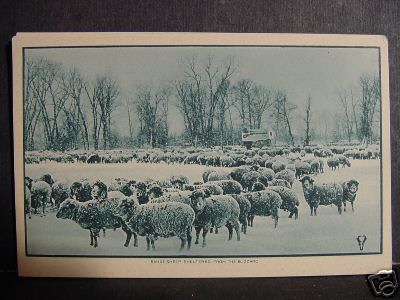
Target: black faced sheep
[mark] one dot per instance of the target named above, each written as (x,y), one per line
(60,191)
(228,186)
(245,206)
(215,211)
(350,189)
(40,196)
(287,175)
(81,190)
(155,220)
(95,215)
(302,168)
(48,179)
(141,193)
(264,203)
(321,194)
(290,201)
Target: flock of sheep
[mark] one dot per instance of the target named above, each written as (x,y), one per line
(172,207)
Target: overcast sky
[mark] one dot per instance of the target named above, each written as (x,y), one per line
(300,72)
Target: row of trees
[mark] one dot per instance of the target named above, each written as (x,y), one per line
(65,110)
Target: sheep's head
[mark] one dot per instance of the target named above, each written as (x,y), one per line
(126,208)
(67,209)
(47,178)
(155,191)
(99,190)
(76,187)
(348,163)
(352,185)
(307,182)
(197,200)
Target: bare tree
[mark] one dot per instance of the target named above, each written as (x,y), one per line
(307,121)
(283,113)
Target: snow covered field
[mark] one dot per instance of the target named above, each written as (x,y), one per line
(327,233)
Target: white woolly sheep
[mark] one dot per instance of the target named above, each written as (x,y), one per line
(154,220)
(228,186)
(40,196)
(264,203)
(60,191)
(290,201)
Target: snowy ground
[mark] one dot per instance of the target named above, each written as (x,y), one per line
(327,233)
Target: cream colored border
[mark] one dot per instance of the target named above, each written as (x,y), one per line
(142,267)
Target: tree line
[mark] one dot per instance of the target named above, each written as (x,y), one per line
(64,110)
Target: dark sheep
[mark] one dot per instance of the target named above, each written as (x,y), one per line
(48,179)
(93,159)
(350,189)
(155,220)
(215,211)
(81,190)
(321,194)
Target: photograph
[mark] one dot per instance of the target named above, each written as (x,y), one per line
(231,150)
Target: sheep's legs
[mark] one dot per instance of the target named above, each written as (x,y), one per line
(91,238)
(276,221)
(344,205)
(189,237)
(237,229)
(339,209)
(352,206)
(230,230)
(198,229)
(150,240)
(205,231)
(104,232)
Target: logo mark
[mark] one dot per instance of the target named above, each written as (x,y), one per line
(384,283)
(361,239)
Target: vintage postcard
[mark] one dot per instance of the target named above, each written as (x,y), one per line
(201,155)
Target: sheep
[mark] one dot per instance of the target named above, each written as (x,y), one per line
(181,196)
(344,161)
(127,187)
(81,190)
(40,195)
(264,203)
(302,168)
(93,159)
(258,186)
(287,175)
(333,163)
(48,179)
(212,189)
(228,186)
(279,182)
(248,179)
(95,215)
(268,173)
(350,189)
(205,175)
(245,206)
(60,191)
(321,194)
(215,211)
(155,220)
(237,173)
(214,176)
(290,201)
(141,193)
(278,166)
(179,180)
(314,164)
(321,165)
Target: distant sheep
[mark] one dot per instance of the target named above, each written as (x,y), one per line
(279,182)
(214,176)
(155,220)
(215,211)
(278,166)
(248,179)
(321,194)
(314,164)
(350,189)
(333,163)
(257,186)
(344,161)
